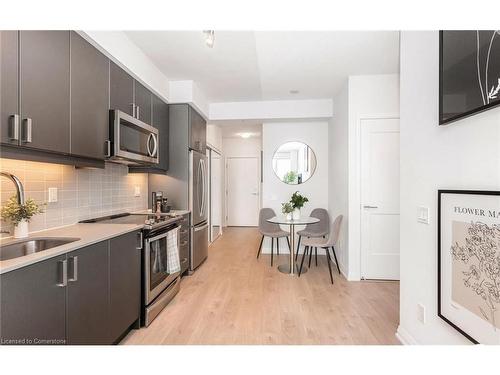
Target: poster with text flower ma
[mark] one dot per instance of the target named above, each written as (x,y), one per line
(469,263)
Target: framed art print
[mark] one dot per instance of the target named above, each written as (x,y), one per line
(469,263)
(469,73)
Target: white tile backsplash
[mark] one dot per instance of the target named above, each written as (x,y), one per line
(82,192)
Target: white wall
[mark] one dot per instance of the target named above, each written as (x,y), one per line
(214,137)
(338,193)
(272,109)
(369,96)
(461,155)
(187,91)
(274,191)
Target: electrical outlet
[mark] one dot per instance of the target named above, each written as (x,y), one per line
(423,215)
(52,195)
(137,191)
(421,313)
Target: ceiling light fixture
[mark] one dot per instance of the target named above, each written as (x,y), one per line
(245,135)
(209,37)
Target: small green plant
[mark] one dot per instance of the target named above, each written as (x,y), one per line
(15,212)
(298,200)
(286,208)
(290,177)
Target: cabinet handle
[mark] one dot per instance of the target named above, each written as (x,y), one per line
(74,260)
(27,130)
(370,206)
(64,272)
(137,111)
(133,109)
(107,145)
(14,127)
(140,240)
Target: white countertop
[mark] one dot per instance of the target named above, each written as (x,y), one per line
(172,212)
(88,234)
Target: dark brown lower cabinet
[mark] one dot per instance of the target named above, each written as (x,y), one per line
(124,283)
(33,305)
(87,295)
(95,304)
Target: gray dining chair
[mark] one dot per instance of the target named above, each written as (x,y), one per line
(315,230)
(271,230)
(325,243)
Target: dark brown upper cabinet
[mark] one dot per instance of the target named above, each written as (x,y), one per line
(160,121)
(89,99)
(121,90)
(9,87)
(198,131)
(45,90)
(143,103)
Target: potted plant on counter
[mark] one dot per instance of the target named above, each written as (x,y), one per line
(297,202)
(20,215)
(287,209)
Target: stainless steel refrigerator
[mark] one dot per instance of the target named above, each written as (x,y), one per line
(186,184)
(198,205)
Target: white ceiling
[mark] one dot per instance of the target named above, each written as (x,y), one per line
(266,65)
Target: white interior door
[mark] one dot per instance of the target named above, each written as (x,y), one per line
(380,199)
(242,191)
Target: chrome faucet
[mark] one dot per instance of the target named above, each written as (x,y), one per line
(19,186)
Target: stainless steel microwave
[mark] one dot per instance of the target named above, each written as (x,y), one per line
(132,141)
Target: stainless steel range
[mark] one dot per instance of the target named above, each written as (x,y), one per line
(159,286)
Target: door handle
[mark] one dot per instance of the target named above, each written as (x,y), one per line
(148,142)
(370,206)
(74,260)
(255,193)
(107,146)
(64,271)
(14,127)
(155,147)
(27,130)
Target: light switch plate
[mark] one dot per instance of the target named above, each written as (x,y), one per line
(137,191)
(52,195)
(423,215)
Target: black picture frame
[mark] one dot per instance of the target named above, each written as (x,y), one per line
(464,114)
(439,253)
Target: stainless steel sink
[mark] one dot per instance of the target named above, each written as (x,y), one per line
(32,245)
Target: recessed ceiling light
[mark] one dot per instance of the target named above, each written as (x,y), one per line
(294,91)
(209,37)
(245,135)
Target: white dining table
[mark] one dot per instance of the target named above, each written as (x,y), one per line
(291,268)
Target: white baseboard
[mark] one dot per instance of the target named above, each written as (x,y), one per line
(404,337)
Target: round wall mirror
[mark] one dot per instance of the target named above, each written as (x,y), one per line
(294,163)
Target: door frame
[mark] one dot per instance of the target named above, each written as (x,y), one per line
(354,192)
(226,183)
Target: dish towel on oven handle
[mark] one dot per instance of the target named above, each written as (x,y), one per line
(173,261)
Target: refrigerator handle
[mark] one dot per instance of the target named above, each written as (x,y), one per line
(203,177)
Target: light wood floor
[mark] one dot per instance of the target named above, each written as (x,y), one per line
(233,298)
